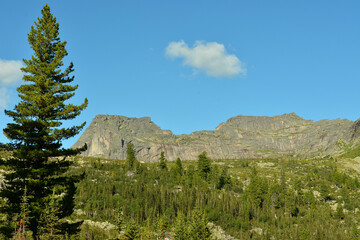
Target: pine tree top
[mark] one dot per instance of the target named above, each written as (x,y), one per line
(42,109)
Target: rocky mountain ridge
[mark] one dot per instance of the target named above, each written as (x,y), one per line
(239,137)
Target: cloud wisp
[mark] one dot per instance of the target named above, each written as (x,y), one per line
(210,58)
(4,97)
(10,73)
(10,76)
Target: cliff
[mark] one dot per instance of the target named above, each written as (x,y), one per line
(239,137)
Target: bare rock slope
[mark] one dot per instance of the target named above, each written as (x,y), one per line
(239,137)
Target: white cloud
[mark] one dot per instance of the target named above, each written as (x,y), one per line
(4,97)
(10,76)
(10,73)
(209,57)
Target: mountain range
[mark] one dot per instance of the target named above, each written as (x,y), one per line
(286,135)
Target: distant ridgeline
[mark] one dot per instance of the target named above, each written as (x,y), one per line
(286,135)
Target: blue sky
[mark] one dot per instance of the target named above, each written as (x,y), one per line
(191,65)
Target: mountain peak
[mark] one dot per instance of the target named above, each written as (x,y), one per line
(239,137)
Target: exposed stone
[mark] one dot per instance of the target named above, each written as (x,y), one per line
(103,225)
(130,173)
(239,137)
(218,233)
(265,164)
(79,212)
(316,194)
(257,230)
(356,129)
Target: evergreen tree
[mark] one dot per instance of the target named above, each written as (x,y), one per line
(49,221)
(39,161)
(180,229)
(198,227)
(340,212)
(139,168)
(24,207)
(283,179)
(189,176)
(258,189)
(163,226)
(204,165)
(132,231)
(130,156)
(178,166)
(119,221)
(162,161)
(355,233)
(22,232)
(224,179)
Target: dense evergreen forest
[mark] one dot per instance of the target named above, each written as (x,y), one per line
(249,199)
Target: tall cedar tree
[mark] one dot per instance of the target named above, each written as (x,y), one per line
(39,161)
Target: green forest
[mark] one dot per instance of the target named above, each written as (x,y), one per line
(247,198)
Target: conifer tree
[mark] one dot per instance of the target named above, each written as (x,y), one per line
(162,161)
(119,220)
(39,161)
(224,179)
(204,165)
(198,226)
(180,228)
(49,221)
(132,231)
(258,189)
(24,207)
(22,221)
(355,233)
(163,225)
(178,166)
(283,179)
(130,156)
(340,212)
(25,214)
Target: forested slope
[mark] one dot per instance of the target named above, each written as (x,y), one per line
(249,199)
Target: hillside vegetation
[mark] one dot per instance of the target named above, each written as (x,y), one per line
(249,199)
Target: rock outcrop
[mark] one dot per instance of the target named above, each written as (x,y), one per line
(239,137)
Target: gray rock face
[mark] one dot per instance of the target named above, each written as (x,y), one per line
(356,129)
(239,137)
